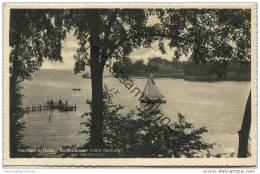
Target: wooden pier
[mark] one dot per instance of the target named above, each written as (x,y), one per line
(43,107)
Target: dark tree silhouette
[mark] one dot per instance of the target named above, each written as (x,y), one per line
(33,36)
(245,130)
(212,35)
(221,35)
(141,134)
(104,34)
(209,34)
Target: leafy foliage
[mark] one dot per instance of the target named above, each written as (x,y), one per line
(210,34)
(33,36)
(118,33)
(114,33)
(221,35)
(126,66)
(15,124)
(142,134)
(104,34)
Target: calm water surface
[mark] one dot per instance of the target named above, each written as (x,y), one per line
(218,106)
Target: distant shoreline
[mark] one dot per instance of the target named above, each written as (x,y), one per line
(198,78)
(177,75)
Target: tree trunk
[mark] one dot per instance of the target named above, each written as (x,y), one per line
(14,103)
(96,139)
(13,108)
(97,67)
(244,131)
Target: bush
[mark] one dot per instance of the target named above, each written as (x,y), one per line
(144,134)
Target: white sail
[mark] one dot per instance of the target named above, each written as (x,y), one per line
(151,90)
(145,91)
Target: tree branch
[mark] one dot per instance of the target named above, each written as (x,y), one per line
(108,30)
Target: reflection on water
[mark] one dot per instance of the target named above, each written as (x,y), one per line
(218,106)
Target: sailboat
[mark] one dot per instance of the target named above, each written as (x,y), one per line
(151,93)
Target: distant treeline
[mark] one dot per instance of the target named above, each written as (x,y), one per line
(185,69)
(155,64)
(232,71)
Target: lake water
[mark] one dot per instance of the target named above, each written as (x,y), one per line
(218,106)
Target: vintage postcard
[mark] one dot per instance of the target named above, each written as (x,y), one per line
(141,85)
